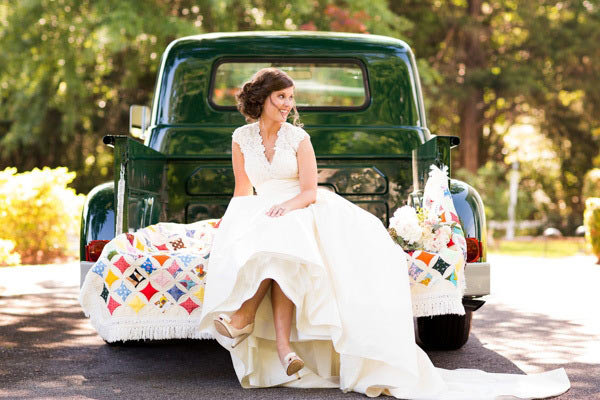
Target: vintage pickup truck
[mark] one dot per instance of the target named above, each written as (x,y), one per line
(359,97)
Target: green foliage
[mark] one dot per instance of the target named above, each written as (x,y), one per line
(71,68)
(39,214)
(591,218)
(591,183)
(491,181)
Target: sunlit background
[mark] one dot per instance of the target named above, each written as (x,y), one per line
(518,85)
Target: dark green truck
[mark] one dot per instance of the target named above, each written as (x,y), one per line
(360,100)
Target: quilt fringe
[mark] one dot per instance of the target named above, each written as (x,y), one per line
(126,329)
(126,332)
(437,305)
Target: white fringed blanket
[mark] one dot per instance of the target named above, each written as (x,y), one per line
(150,284)
(438,279)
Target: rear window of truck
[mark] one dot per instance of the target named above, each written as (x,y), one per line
(319,85)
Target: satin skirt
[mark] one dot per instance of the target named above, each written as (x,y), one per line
(352,322)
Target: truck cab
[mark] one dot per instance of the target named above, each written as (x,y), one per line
(359,98)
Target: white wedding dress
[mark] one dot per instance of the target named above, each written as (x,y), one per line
(353,323)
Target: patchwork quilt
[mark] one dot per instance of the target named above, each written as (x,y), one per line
(438,279)
(150,284)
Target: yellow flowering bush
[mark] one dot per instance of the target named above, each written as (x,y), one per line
(39,214)
(7,255)
(591,183)
(591,219)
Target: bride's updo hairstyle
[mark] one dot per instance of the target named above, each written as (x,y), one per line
(251,99)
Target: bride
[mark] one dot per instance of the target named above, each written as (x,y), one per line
(307,289)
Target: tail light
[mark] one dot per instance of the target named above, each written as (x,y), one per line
(473,249)
(93,249)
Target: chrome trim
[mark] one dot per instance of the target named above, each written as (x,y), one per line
(84,267)
(477,276)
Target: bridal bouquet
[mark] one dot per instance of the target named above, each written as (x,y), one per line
(420,229)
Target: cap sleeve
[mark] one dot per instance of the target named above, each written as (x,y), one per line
(237,135)
(298,136)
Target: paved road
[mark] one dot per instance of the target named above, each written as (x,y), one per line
(543,314)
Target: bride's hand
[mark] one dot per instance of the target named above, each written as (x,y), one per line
(278,210)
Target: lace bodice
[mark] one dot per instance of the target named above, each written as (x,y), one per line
(284,164)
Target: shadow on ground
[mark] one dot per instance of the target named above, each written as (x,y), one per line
(541,343)
(49,349)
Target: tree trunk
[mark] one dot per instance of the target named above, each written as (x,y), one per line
(470,129)
(471,105)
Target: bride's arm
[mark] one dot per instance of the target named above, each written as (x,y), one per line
(243,187)
(307,174)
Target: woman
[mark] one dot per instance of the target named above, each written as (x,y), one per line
(305,284)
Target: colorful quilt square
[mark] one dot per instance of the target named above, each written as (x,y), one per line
(200,293)
(110,278)
(441,266)
(163,303)
(99,268)
(177,244)
(189,305)
(190,233)
(148,266)
(136,304)
(186,259)
(162,278)
(425,257)
(174,269)
(414,271)
(175,292)
(112,254)
(161,258)
(452,278)
(149,291)
(199,270)
(135,278)
(187,282)
(123,291)
(427,280)
(112,305)
(121,264)
(104,293)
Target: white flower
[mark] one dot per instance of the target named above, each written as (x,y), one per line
(406,224)
(438,240)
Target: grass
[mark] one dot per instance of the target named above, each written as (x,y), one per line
(539,247)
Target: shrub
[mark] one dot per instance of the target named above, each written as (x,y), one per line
(591,219)
(7,255)
(39,213)
(591,184)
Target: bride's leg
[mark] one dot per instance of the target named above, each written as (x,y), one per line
(283,309)
(245,314)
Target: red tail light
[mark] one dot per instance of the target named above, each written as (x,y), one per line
(473,249)
(93,249)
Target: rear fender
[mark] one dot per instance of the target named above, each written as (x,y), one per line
(471,213)
(98,216)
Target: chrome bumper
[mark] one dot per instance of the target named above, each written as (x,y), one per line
(84,267)
(477,276)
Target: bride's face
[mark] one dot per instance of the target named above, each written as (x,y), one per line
(278,105)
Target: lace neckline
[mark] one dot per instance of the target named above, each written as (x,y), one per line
(262,145)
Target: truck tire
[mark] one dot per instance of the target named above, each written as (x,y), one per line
(444,332)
